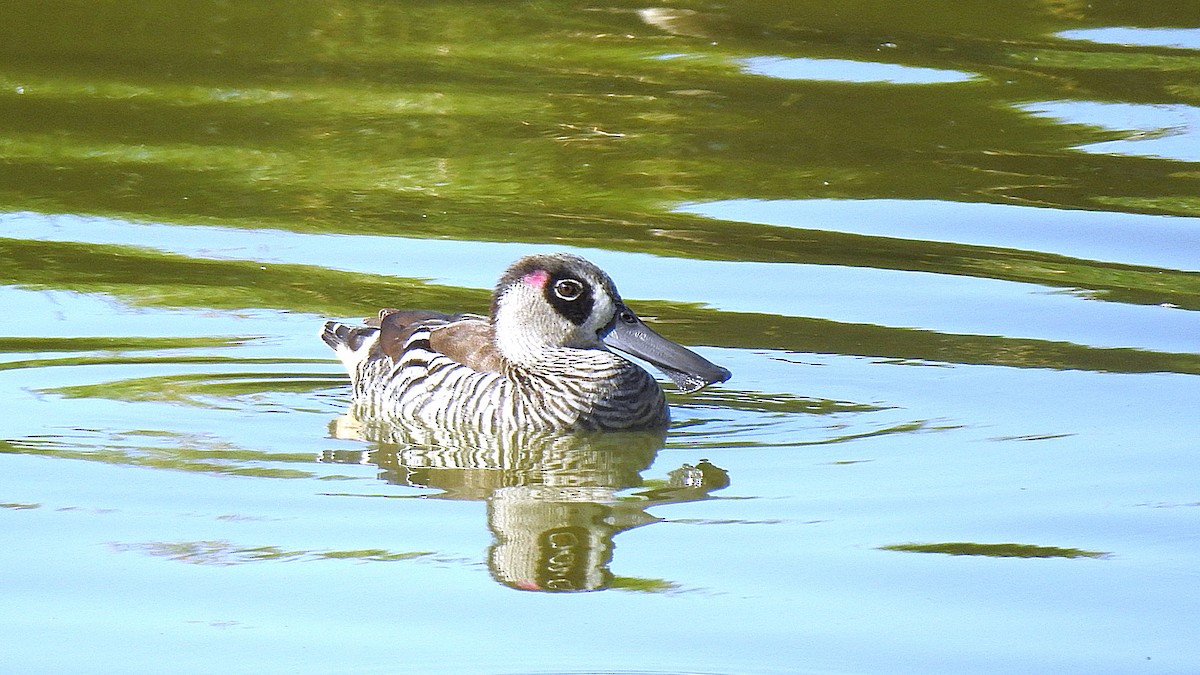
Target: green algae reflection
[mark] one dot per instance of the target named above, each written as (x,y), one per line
(996,550)
(163,450)
(459,120)
(225,553)
(152,278)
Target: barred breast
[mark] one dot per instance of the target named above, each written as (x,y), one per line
(570,389)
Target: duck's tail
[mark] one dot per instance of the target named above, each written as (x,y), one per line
(352,344)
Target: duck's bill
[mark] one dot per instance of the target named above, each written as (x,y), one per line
(687,369)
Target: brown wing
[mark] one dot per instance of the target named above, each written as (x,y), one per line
(465,338)
(469,342)
(397,325)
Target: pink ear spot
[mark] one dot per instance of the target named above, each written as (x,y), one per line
(537,278)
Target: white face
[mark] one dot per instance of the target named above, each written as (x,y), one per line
(550,302)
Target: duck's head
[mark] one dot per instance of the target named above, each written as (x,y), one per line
(547,302)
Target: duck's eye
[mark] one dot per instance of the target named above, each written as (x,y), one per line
(627,316)
(568,289)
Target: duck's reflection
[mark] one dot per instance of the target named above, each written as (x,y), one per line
(555,502)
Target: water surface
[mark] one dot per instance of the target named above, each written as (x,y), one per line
(949,253)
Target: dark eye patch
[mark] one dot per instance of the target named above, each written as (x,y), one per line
(570,297)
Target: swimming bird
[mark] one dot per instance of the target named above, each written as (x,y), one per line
(542,360)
